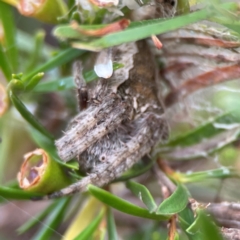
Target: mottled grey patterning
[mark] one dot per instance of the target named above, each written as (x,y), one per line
(122,122)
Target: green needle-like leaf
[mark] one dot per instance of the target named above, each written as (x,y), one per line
(204,131)
(5,64)
(175,203)
(67,31)
(143,194)
(9,28)
(111,227)
(36,52)
(18,194)
(203,148)
(62,57)
(147,30)
(34,81)
(55,85)
(91,228)
(220,173)
(122,205)
(26,43)
(33,221)
(28,116)
(54,219)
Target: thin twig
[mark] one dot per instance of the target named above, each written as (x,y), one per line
(167,188)
(163,179)
(172,227)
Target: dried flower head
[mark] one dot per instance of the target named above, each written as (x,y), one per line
(44,10)
(40,173)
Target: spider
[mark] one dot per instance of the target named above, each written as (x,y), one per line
(120,122)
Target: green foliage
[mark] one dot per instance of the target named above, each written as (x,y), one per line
(53,219)
(37,69)
(175,203)
(204,228)
(32,222)
(143,194)
(91,228)
(141,30)
(111,227)
(7,20)
(12,193)
(122,205)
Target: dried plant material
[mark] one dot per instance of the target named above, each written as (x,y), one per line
(204,80)
(105,3)
(110,28)
(172,231)
(196,57)
(104,66)
(39,173)
(196,206)
(156,42)
(30,7)
(226,213)
(202,149)
(122,123)
(45,10)
(231,233)
(32,169)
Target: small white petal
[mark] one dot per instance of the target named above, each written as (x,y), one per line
(104,70)
(131,4)
(104,65)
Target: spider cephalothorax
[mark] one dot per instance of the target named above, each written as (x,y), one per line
(122,122)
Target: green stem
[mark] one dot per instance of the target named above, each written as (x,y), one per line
(28,116)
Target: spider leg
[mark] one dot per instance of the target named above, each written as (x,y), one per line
(98,121)
(81,85)
(148,130)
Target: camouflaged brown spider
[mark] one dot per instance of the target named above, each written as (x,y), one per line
(122,120)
